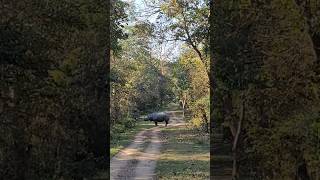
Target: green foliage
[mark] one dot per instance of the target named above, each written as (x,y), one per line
(188,20)
(53,90)
(191,85)
(118,16)
(121,136)
(265,61)
(140,82)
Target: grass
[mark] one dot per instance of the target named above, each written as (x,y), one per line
(184,155)
(171,107)
(125,138)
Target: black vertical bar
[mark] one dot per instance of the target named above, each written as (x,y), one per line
(212,84)
(107,81)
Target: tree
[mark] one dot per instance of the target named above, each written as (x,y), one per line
(191,86)
(187,21)
(53,116)
(267,75)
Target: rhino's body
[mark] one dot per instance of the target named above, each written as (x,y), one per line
(158,117)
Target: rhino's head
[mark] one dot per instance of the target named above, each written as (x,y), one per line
(143,118)
(146,118)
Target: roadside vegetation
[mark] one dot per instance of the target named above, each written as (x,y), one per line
(145,77)
(124,132)
(265,64)
(123,137)
(53,74)
(184,155)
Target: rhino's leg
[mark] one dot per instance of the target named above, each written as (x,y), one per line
(166,123)
(156,123)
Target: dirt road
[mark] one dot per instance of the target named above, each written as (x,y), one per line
(138,160)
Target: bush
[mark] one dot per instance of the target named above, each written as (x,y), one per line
(121,127)
(129,123)
(115,130)
(197,123)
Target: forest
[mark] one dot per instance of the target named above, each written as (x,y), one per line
(78,76)
(265,86)
(145,79)
(161,65)
(54,98)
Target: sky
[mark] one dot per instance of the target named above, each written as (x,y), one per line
(165,51)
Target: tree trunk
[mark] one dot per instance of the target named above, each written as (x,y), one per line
(234,165)
(58,162)
(302,172)
(184,101)
(204,117)
(183,107)
(235,142)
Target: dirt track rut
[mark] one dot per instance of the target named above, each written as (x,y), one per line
(138,160)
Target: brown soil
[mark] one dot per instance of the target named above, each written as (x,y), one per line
(138,160)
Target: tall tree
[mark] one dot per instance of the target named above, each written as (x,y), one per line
(53,86)
(266,74)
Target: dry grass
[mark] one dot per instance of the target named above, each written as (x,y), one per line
(184,155)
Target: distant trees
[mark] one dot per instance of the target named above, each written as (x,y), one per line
(187,21)
(191,86)
(153,81)
(140,82)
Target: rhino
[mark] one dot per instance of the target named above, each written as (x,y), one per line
(158,117)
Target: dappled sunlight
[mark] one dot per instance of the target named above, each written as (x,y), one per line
(179,156)
(126,153)
(184,154)
(139,159)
